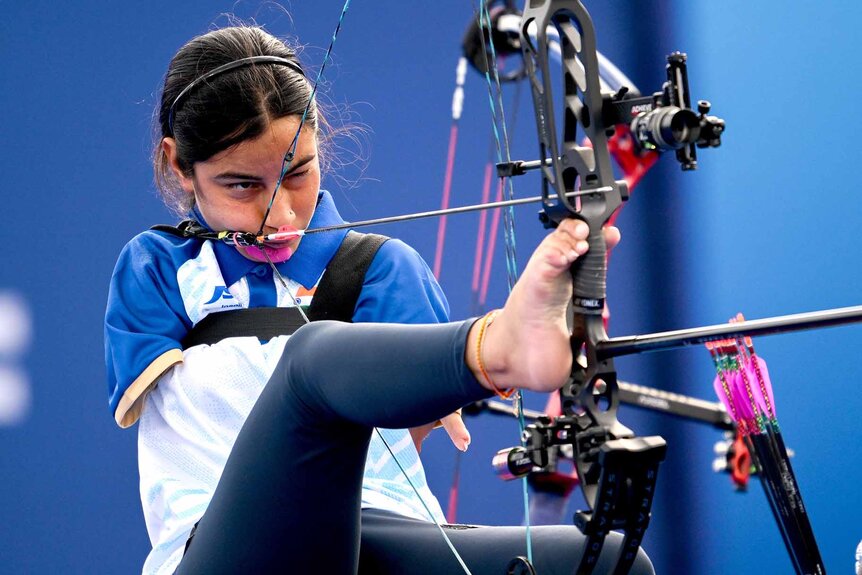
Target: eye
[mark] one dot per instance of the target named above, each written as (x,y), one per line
(299,174)
(243,189)
(242,186)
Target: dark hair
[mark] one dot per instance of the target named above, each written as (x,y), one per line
(228,108)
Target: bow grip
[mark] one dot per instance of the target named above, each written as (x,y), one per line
(589,273)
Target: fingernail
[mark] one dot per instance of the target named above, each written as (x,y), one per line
(582,230)
(581,247)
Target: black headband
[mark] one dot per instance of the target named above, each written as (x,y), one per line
(226,68)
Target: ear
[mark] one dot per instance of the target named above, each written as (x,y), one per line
(169,149)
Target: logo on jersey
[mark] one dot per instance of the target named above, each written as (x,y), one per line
(220,300)
(220,292)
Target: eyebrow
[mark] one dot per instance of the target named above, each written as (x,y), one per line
(241,176)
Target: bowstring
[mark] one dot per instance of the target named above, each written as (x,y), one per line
(291,151)
(495,98)
(294,301)
(495,93)
(424,504)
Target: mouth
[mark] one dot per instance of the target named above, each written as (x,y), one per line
(276,247)
(284,234)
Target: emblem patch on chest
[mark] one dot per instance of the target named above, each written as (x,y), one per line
(221,299)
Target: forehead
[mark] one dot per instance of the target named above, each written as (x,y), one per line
(267,150)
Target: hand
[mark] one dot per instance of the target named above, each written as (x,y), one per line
(454,426)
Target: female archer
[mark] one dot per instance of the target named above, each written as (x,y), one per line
(259,449)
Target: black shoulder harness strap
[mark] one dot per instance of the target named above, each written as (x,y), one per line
(334,299)
(338,290)
(184,229)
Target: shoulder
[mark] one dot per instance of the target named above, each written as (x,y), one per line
(145,317)
(153,247)
(399,287)
(395,256)
(144,283)
(156,258)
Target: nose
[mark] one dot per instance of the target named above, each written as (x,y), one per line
(281,212)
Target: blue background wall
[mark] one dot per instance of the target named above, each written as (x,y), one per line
(768,226)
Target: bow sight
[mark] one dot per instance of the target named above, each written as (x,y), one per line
(665,120)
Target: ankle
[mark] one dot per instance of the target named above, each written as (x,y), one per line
(487,365)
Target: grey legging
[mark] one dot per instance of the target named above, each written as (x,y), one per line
(289,498)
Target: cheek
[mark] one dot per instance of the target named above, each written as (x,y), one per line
(221,213)
(307,201)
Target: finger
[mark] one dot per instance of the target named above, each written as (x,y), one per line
(559,251)
(612,236)
(577,229)
(454,426)
(569,240)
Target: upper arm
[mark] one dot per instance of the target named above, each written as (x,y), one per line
(144,324)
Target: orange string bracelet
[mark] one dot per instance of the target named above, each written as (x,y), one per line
(487,320)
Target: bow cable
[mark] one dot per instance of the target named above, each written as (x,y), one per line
(508,216)
(495,219)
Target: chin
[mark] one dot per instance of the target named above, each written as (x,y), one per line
(276,254)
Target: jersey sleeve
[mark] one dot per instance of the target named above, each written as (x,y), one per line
(145,322)
(400,288)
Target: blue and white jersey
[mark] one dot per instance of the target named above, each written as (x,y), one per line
(191,404)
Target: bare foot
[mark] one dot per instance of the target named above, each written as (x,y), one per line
(527,345)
